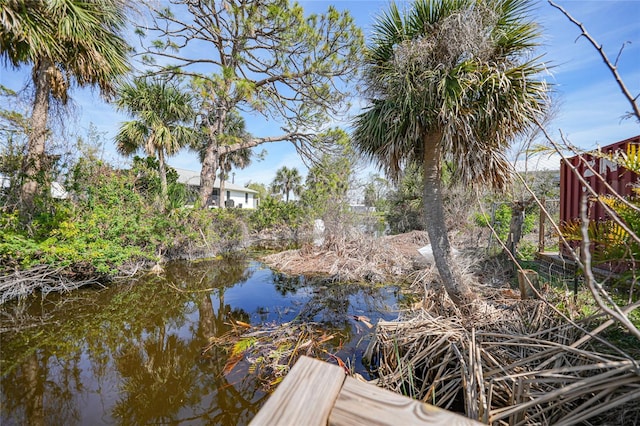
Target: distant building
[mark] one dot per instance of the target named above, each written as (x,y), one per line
(540,162)
(235,195)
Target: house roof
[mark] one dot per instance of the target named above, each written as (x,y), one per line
(192,178)
(538,163)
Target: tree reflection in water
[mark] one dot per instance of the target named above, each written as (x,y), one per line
(133,353)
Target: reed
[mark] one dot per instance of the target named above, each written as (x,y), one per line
(517,366)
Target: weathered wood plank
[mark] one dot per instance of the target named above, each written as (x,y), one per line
(305,396)
(364,404)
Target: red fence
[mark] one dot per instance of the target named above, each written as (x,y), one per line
(588,165)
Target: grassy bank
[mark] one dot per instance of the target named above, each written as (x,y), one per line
(112,224)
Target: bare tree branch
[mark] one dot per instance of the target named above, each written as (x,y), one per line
(612,66)
(588,334)
(614,216)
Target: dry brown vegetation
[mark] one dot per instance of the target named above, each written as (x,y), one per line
(511,361)
(361,258)
(43,278)
(515,362)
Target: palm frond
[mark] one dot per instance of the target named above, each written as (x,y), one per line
(160,108)
(457,68)
(83,39)
(131,137)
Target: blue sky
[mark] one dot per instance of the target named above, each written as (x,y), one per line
(590,107)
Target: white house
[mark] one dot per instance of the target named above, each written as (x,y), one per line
(235,195)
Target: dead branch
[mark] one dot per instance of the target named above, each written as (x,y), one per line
(612,66)
(588,187)
(43,278)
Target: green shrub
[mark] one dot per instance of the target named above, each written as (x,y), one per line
(107,225)
(273,213)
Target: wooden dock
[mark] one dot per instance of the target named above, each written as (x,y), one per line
(318,393)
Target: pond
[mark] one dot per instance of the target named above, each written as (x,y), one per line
(141,352)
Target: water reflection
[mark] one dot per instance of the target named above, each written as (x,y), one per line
(133,353)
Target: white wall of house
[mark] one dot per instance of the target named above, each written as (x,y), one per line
(241,196)
(241,199)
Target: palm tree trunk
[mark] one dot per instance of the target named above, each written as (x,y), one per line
(207,324)
(162,170)
(435,222)
(32,163)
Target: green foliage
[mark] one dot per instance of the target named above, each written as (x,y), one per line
(147,182)
(104,228)
(611,242)
(260,188)
(502,220)
(273,213)
(405,209)
(327,184)
(527,250)
(229,227)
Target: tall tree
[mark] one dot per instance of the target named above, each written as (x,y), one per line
(263,56)
(66,42)
(450,80)
(161,109)
(235,132)
(287,180)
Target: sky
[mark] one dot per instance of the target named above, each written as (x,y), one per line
(590,104)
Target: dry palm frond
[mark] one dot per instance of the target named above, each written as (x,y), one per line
(523,369)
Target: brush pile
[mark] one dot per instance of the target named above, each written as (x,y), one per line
(519,365)
(354,258)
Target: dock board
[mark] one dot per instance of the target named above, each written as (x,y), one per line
(318,393)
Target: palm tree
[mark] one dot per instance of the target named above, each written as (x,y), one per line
(161,108)
(448,80)
(287,180)
(66,42)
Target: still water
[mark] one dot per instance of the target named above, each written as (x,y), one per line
(133,353)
